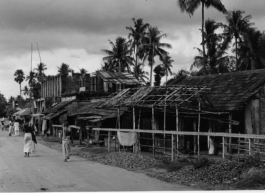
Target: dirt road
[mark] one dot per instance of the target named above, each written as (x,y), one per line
(45,170)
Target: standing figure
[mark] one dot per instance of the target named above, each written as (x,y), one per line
(66,141)
(10,127)
(28,137)
(16,128)
(2,125)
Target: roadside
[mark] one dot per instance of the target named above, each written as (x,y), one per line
(203,174)
(45,170)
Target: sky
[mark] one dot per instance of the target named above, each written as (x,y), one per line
(75,31)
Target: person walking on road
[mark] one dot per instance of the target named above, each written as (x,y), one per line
(66,141)
(10,127)
(28,138)
(2,127)
(16,128)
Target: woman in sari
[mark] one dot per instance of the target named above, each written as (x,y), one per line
(28,137)
(66,141)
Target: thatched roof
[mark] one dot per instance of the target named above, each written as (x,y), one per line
(229,91)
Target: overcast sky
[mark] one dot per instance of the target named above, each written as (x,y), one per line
(74,31)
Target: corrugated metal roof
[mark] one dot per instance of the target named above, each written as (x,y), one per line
(118,78)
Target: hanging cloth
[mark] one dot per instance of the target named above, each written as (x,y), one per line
(127,138)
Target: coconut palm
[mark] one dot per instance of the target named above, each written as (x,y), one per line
(167,65)
(139,73)
(249,49)
(119,57)
(19,78)
(237,25)
(64,69)
(31,78)
(216,59)
(137,34)
(26,90)
(106,66)
(152,47)
(190,7)
(41,67)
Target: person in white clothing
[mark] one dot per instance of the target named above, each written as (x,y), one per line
(10,127)
(16,128)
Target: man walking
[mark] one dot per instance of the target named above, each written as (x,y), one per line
(66,141)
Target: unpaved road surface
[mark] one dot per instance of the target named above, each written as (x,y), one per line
(45,170)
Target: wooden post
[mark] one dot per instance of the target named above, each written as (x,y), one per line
(108,141)
(250,147)
(199,124)
(164,135)
(153,128)
(177,129)
(134,146)
(172,147)
(119,126)
(194,137)
(230,131)
(224,147)
(138,134)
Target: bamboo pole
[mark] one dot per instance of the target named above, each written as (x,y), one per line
(172,147)
(138,134)
(108,141)
(177,129)
(134,148)
(199,124)
(194,137)
(250,146)
(153,128)
(119,126)
(164,135)
(224,147)
(230,131)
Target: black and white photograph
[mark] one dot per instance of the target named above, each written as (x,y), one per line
(106,96)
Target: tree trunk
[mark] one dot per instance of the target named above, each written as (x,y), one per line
(151,64)
(203,46)
(136,62)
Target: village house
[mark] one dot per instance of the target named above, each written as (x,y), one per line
(62,98)
(225,103)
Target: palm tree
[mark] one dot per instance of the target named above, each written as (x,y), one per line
(137,34)
(19,77)
(237,25)
(119,57)
(106,66)
(64,69)
(31,78)
(139,73)
(41,67)
(190,6)
(250,51)
(167,65)
(216,58)
(26,90)
(152,47)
